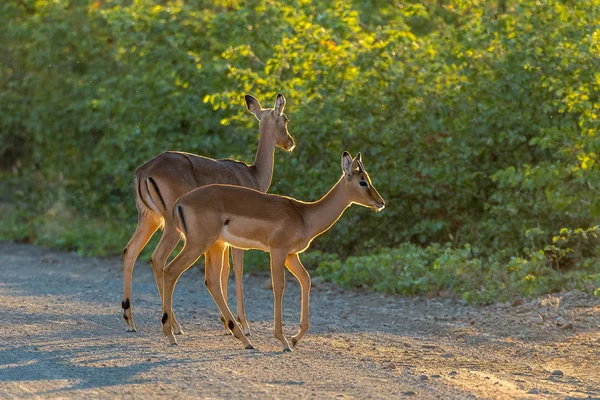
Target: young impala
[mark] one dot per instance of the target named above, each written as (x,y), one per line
(166,177)
(216,216)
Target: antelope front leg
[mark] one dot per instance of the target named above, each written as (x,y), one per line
(238,270)
(212,274)
(278,281)
(295,266)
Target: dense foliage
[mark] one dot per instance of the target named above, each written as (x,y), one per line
(478,122)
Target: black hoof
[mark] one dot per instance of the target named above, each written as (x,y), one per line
(250,347)
(287,350)
(131,330)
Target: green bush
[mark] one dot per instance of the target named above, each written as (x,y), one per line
(466,273)
(478,121)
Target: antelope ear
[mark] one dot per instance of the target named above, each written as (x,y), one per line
(253,105)
(280,103)
(347,164)
(357,163)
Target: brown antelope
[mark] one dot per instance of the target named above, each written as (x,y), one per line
(166,177)
(214,217)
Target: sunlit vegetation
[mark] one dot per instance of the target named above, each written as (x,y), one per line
(478,121)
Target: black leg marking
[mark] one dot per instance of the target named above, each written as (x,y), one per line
(180,212)
(230,324)
(227,221)
(125,317)
(124,251)
(165,317)
(239,320)
(125,304)
(206,284)
(157,191)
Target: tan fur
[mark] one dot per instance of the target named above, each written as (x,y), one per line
(162,180)
(220,215)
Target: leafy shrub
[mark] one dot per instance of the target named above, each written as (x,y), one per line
(410,269)
(477,120)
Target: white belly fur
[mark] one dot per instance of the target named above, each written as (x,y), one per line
(241,243)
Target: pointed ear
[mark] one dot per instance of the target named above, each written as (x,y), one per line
(347,164)
(253,105)
(357,163)
(280,104)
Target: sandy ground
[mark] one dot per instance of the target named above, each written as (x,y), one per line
(62,336)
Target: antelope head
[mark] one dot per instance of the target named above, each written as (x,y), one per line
(358,185)
(272,122)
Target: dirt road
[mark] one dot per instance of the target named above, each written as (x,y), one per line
(62,336)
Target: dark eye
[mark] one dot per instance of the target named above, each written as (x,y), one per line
(363,183)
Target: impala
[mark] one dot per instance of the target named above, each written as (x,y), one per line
(214,217)
(166,177)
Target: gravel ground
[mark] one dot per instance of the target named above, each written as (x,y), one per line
(62,336)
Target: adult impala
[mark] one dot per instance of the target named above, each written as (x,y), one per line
(166,177)
(216,216)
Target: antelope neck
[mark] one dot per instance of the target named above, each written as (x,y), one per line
(262,168)
(323,213)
